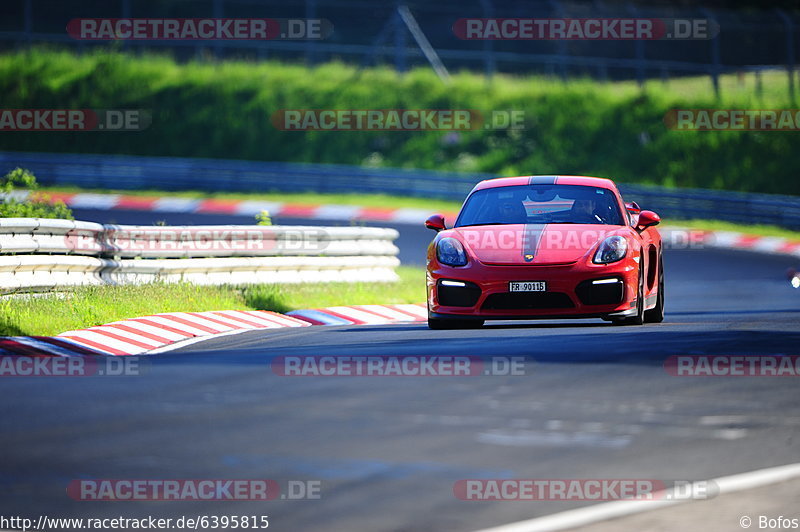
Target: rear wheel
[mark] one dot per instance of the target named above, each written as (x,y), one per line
(638,318)
(656,314)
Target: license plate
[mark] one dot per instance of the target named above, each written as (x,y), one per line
(527,286)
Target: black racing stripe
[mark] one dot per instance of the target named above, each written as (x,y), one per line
(533,232)
(531,240)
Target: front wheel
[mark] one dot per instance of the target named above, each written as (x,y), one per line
(638,318)
(656,314)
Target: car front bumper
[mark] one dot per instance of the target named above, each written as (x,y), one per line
(576,290)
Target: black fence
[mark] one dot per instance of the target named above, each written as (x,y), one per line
(217,175)
(369,32)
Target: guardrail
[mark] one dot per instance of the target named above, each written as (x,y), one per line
(737,207)
(213,175)
(45,254)
(126,172)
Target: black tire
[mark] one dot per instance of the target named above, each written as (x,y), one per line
(656,314)
(638,318)
(436,325)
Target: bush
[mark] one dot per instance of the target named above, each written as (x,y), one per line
(224,110)
(35,205)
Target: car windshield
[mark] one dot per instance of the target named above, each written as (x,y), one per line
(550,204)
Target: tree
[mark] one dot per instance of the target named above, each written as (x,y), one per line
(31,205)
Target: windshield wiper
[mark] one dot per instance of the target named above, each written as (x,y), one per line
(582,223)
(490,223)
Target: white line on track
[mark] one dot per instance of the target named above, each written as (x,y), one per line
(612,510)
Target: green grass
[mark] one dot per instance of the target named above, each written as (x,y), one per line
(54,313)
(286,297)
(224,110)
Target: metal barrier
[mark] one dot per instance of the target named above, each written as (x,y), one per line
(125,172)
(216,175)
(43,254)
(737,207)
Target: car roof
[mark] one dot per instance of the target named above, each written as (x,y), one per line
(586,181)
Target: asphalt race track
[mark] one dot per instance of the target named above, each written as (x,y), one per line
(595,402)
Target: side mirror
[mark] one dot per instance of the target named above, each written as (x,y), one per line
(633,207)
(647,219)
(435,222)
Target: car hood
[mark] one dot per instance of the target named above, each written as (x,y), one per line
(533,244)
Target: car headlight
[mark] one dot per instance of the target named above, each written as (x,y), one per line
(449,251)
(612,249)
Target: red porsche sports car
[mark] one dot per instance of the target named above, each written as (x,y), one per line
(545,247)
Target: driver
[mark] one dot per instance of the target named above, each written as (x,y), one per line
(585,211)
(512,212)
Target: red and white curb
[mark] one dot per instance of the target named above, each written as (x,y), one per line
(363,314)
(150,334)
(675,237)
(345,213)
(761,244)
